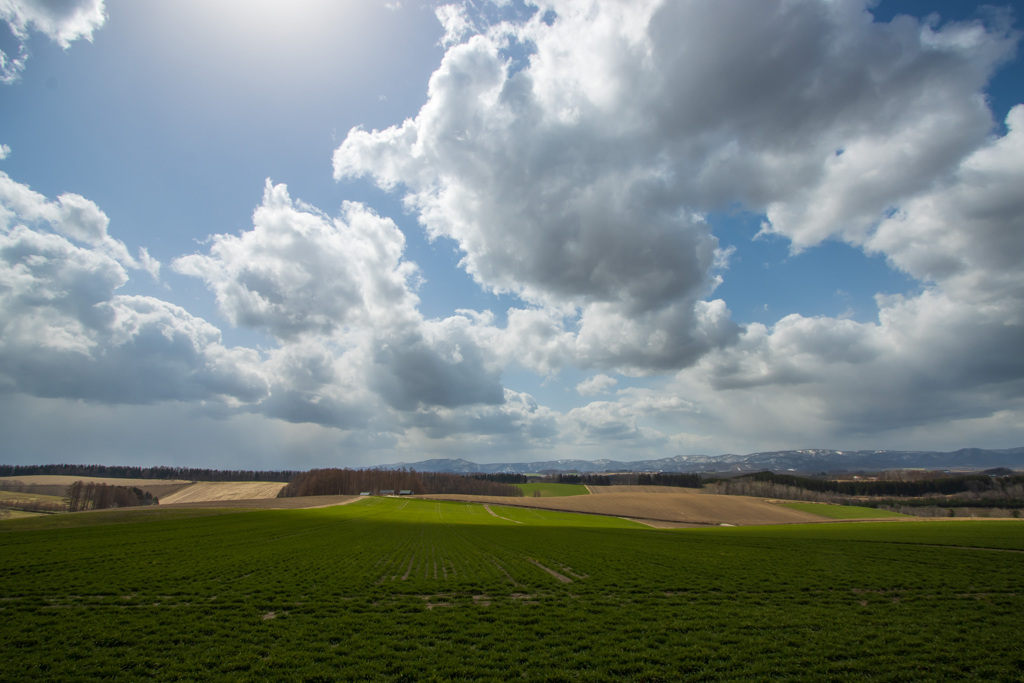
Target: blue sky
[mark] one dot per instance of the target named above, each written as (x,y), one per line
(316,233)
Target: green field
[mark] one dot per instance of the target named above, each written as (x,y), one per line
(392,589)
(842,511)
(552,490)
(7,513)
(15,496)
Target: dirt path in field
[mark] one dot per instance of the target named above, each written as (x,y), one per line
(560,577)
(488,508)
(661,524)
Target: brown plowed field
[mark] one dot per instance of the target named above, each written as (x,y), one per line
(207,491)
(686,508)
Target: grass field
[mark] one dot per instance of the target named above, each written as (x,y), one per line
(553,490)
(842,511)
(404,589)
(7,513)
(10,497)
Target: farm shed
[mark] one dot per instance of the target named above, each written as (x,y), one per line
(405,492)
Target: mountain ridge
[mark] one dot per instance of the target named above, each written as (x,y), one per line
(801,460)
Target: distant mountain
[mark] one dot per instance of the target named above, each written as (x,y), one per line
(806,460)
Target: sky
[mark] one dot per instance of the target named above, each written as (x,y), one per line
(266,235)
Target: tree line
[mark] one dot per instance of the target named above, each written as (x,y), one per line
(964,489)
(98,496)
(130,472)
(348,482)
(684,479)
(946,486)
(687,480)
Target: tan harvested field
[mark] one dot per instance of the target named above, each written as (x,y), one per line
(207,491)
(686,507)
(299,502)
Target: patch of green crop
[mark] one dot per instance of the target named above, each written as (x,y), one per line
(401,589)
(115,516)
(841,511)
(553,490)
(6,513)
(15,496)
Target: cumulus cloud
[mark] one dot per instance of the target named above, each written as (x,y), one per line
(517,422)
(578,182)
(300,272)
(949,353)
(547,210)
(929,359)
(438,364)
(456,23)
(598,384)
(64,332)
(603,421)
(62,22)
(965,234)
(577,159)
(72,216)
(311,382)
(338,295)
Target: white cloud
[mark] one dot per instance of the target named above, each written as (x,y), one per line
(598,384)
(578,182)
(313,382)
(72,216)
(517,424)
(603,421)
(300,272)
(337,294)
(62,22)
(532,338)
(65,333)
(929,360)
(438,365)
(456,23)
(966,234)
(583,178)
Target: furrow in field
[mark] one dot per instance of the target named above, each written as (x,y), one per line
(560,577)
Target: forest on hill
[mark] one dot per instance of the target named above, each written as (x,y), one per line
(130,472)
(334,481)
